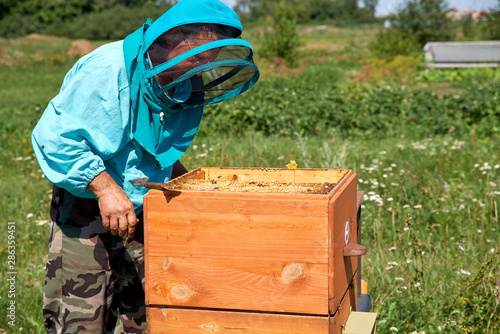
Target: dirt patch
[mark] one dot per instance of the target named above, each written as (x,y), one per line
(80,48)
(36,36)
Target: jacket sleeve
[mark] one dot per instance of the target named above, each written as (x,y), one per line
(84,125)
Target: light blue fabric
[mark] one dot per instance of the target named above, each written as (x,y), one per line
(87,129)
(165,140)
(105,117)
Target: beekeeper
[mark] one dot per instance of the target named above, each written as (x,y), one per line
(128,110)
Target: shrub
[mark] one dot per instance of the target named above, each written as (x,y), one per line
(110,24)
(415,23)
(283,41)
(393,42)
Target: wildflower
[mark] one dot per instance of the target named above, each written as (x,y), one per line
(417,284)
(479,231)
(497,166)
(446,186)
(417,206)
(382,152)
(406,206)
(423,252)
(409,261)
(389,267)
(29,215)
(394,184)
(492,251)
(393,165)
(461,248)
(399,279)
(392,263)
(292,164)
(392,249)
(465,272)
(384,176)
(393,329)
(195,147)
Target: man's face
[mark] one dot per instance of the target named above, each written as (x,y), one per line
(186,44)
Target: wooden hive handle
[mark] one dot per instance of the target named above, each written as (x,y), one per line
(352,249)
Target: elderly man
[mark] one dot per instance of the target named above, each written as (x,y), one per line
(128,110)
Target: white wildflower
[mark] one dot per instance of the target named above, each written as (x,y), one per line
(393,329)
(465,272)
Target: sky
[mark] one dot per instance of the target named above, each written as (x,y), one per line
(388,6)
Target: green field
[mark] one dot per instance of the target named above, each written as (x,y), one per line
(425,147)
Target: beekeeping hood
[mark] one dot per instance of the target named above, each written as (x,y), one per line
(190,57)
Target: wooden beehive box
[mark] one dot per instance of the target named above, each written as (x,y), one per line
(251,250)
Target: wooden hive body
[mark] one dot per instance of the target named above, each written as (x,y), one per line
(251,262)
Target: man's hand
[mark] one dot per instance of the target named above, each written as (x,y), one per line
(117,211)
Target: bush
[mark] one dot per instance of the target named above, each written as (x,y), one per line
(18,25)
(110,24)
(491,26)
(393,42)
(283,107)
(416,23)
(283,41)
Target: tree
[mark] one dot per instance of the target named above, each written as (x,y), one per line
(425,20)
(415,23)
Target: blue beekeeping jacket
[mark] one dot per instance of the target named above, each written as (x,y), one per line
(100,120)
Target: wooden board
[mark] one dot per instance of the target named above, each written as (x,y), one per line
(344,309)
(184,321)
(274,174)
(342,211)
(253,246)
(272,286)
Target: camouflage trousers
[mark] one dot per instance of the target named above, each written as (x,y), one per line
(94,280)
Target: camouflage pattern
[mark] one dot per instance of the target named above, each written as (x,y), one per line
(94,281)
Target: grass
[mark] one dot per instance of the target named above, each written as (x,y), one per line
(430,211)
